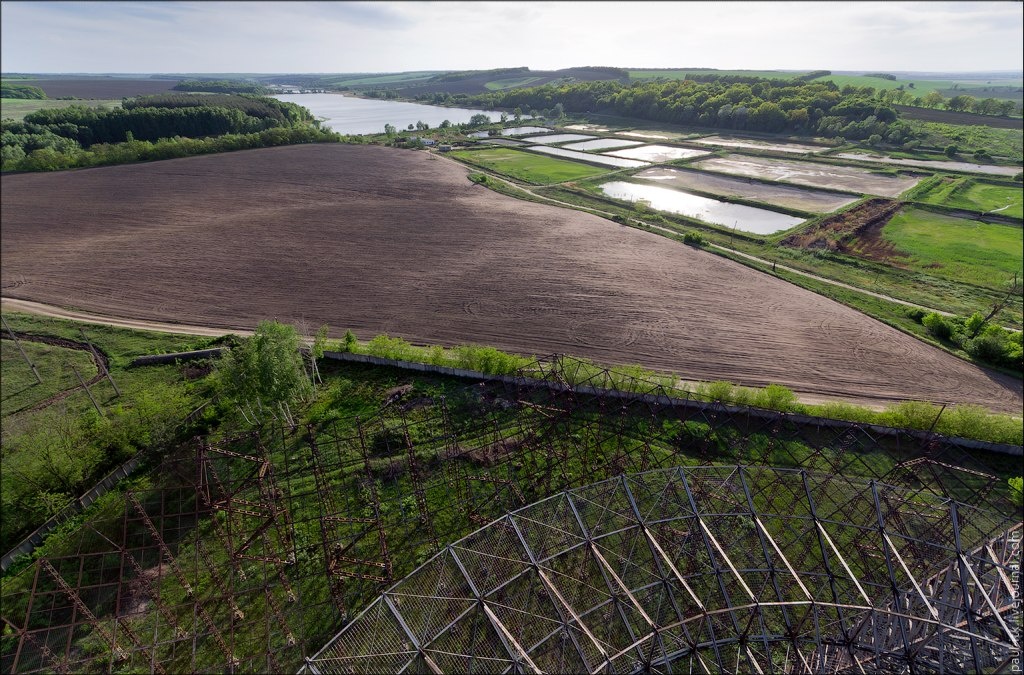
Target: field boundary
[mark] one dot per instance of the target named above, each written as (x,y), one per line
(685,402)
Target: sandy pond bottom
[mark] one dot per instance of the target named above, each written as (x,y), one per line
(848,178)
(745,218)
(587,157)
(937,165)
(754,144)
(815,201)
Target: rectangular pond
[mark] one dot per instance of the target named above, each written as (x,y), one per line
(557,138)
(594,159)
(658,153)
(357,116)
(755,144)
(849,178)
(601,144)
(521,131)
(935,164)
(787,196)
(744,218)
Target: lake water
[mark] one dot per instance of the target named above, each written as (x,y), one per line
(351,115)
(744,218)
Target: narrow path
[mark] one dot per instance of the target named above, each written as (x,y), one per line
(726,249)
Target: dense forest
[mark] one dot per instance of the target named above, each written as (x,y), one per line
(721,102)
(153,127)
(221,87)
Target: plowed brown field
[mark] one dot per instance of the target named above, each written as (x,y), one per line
(382,240)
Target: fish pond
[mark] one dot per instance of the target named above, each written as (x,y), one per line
(786,196)
(738,216)
(585,157)
(658,153)
(847,178)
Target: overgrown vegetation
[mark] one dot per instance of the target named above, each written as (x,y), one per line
(976,335)
(13,90)
(222,87)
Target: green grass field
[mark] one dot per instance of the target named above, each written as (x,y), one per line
(969,138)
(975,195)
(510,83)
(393,78)
(956,248)
(975,88)
(19,388)
(17,108)
(529,167)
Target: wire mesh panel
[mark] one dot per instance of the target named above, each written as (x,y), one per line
(748,569)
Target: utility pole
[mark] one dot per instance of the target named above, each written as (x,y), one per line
(86,387)
(99,362)
(23,354)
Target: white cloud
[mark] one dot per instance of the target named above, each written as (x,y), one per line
(378,36)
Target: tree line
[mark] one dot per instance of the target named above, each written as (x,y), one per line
(12,90)
(221,87)
(76,136)
(719,101)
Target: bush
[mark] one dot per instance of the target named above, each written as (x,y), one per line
(937,326)
(916,314)
(911,415)
(951,150)
(1017,489)
(775,397)
(693,239)
(349,342)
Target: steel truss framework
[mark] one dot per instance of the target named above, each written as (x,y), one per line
(709,569)
(250,552)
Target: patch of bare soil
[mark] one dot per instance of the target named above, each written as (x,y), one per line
(382,240)
(857,231)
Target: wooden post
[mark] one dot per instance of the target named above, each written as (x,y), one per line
(86,387)
(99,362)
(23,354)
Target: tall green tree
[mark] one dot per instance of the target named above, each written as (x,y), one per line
(265,370)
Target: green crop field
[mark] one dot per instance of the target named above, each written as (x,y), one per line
(393,78)
(510,83)
(17,108)
(975,195)
(529,167)
(956,248)
(977,88)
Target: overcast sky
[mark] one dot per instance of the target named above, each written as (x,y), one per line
(291,37)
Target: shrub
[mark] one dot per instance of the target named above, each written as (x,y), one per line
(989,347)
(1017,489)
(937,326)
(693,239)
(718,390)
(916,314)
(911,415)
(775,397)
(349,342)
(951,150)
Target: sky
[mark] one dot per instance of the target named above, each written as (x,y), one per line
(369,37)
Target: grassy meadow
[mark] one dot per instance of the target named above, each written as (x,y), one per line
(528,167)
(17,108)
(963,250)
(974,195)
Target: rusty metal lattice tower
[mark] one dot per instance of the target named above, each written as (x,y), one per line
(706,569)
